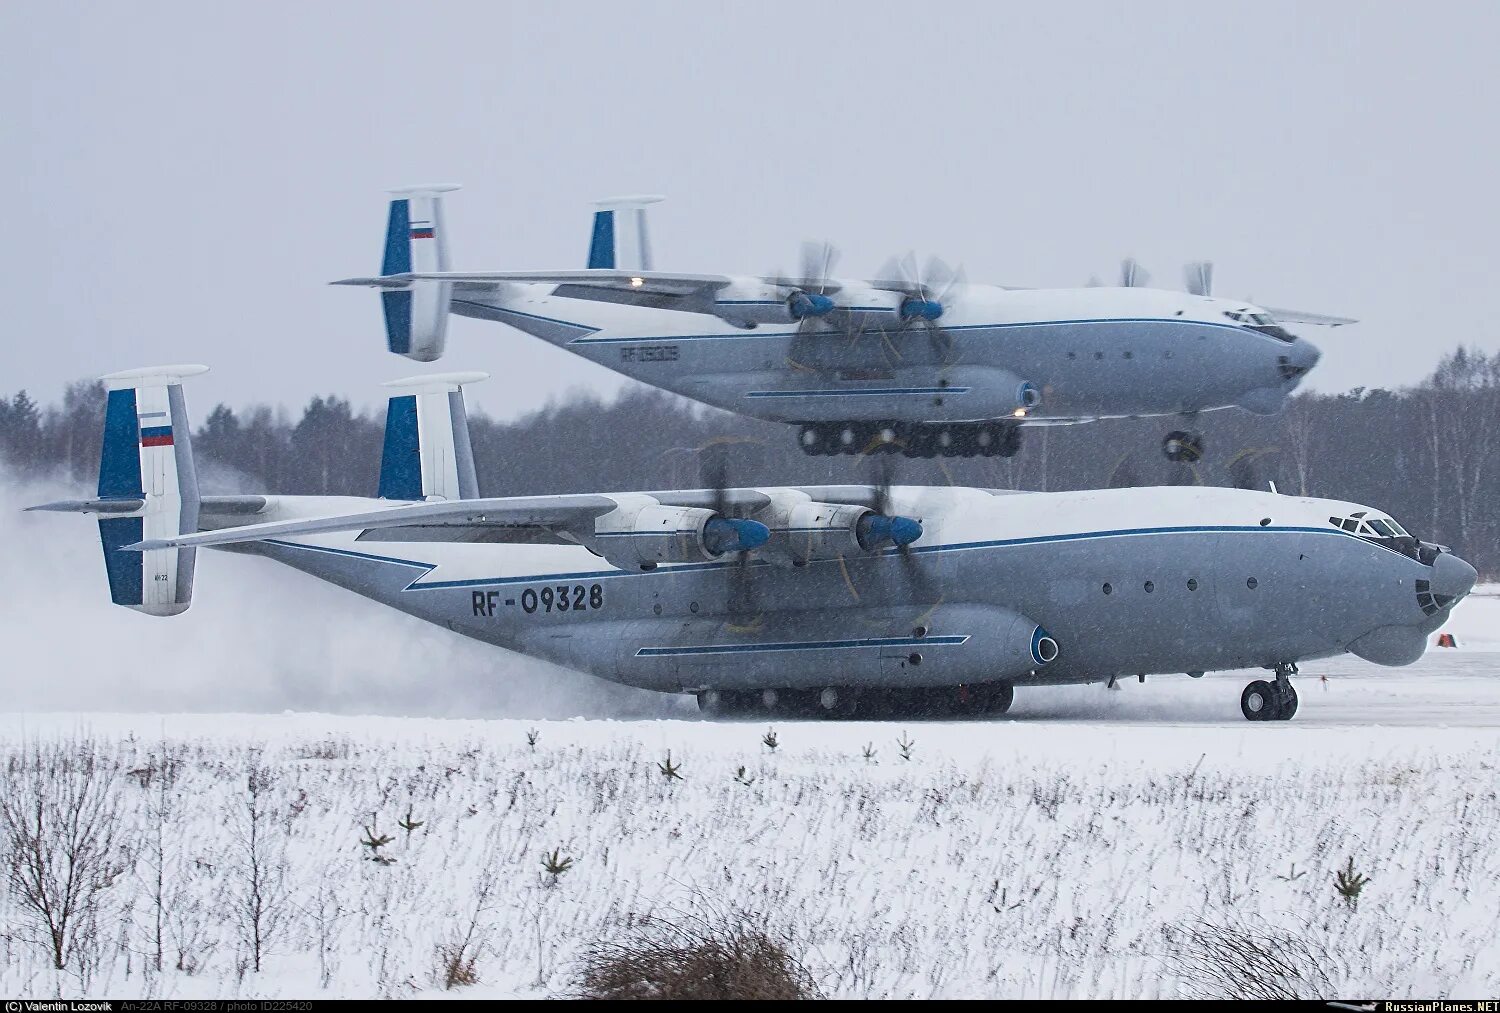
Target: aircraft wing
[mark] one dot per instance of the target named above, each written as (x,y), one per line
(640,282)
(1298,317)
(487,514)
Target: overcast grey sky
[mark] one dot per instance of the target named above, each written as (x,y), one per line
(186,177)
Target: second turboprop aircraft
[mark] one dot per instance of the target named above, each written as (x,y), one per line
(916,360)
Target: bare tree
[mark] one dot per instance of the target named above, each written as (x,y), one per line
(458,955)
(157,778)
(1300,424)
(1463,400)
(260,900)
(60,816)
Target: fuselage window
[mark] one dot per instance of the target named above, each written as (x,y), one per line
(1107,589)
(1150,586)
(1192,583)
(1251,583)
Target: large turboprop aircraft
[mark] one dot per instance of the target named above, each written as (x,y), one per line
(916,360)
(835,599)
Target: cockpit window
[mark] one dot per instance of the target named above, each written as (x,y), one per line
(1380,530)
(1262,322)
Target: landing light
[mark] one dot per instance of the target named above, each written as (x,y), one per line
(637,282)
(1019,413)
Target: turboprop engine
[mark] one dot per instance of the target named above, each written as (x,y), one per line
(771,303)
(642,533)
(804,530)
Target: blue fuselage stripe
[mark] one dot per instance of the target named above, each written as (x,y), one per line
(998,325)
(857,392)
(801,645)
(673,568)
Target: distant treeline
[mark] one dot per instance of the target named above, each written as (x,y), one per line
(1430,454)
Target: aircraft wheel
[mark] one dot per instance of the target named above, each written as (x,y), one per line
(988,440)
(966,441)
(1182,446)
(852,438)
(977,700)
(1259,701)
(814,440)
(1011,445)
(921,441)
(993,697)
(837,702)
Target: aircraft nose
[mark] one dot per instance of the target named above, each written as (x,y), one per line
(1297,359)
(1452,578)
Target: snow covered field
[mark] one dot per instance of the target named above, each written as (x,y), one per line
(1060,853)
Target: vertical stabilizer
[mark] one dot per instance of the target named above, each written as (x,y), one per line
(427,451)
(416,241)
(146,470)
(619,241)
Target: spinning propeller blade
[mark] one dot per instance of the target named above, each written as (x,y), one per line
(1199,277)
(743,600)
(929,293)
(1132,274)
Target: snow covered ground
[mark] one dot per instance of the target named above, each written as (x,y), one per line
(1060,852)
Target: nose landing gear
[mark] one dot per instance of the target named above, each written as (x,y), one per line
(1271,701)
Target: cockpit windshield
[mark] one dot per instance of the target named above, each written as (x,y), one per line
(1256,320)
(1380,530)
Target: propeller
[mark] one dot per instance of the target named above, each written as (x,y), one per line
(928,293)
(743,607)
(808,298)
(885,529)
(1133,275)
(1198,277)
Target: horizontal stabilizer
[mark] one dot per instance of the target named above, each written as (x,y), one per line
(92,506)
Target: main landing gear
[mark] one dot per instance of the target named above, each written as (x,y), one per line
(1271,701)
(866,704)
(911,439)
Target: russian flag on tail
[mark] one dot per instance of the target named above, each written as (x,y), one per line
(156,436)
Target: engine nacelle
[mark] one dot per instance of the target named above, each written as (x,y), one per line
(808,530)
(642,535)
(760,303)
